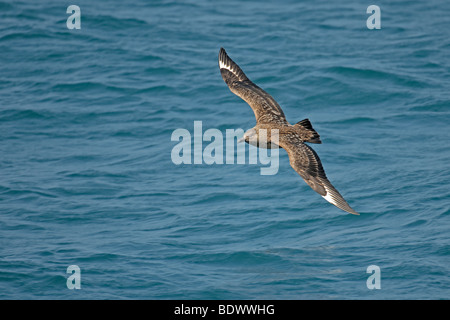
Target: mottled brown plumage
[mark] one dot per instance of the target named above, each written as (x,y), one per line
(269,116)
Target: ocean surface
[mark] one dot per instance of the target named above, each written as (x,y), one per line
(87,176)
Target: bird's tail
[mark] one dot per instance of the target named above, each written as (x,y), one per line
(308,133)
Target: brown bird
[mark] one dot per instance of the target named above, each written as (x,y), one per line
(272,130)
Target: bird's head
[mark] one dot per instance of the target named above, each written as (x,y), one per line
(250,136)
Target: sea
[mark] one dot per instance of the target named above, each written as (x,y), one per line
(95,203)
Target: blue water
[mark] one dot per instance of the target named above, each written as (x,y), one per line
(87,179)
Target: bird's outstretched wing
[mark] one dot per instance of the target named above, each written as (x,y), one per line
(265,107)
(307,164)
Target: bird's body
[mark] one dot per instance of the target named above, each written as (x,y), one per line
(272,130)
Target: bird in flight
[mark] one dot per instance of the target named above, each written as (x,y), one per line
(269,119)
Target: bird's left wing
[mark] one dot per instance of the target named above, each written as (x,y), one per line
(265,107)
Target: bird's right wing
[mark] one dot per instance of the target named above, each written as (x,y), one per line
(265,107)
(305,161)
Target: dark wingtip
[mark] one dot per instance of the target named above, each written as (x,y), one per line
(222,53)
(223,56)
(230,66)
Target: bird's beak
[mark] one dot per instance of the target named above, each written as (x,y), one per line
(241,140)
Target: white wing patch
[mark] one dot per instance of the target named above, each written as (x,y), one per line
(333,198)
(328,196)
(223,65)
